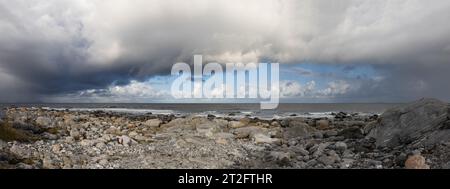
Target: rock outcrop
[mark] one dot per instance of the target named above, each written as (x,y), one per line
(422,122)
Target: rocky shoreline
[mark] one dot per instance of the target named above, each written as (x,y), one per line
(416,135)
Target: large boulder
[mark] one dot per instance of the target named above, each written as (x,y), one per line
(423,121)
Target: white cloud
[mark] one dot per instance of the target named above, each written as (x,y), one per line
(334,88)
(295,89)
(135,91)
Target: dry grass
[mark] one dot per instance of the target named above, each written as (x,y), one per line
(8,133)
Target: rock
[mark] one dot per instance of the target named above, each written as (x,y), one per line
(20,151)
(49,136)
(323,124)
(327,160)
(132,134)
(24,166)
(341,115)
(318,150)
(318,135)
(44,121)
(299,129)
(369,126)
(47,163)
(56,148)
(352,133)
(330,133)
(346,163)
(125,140)
(300,150)
(262,138)
(341,146)
(152,123)
(3,144)
(416,162)
(87,143)
(236,124)
(207,129)
(280,156)
(223,135)
(103,162)
(291,122)
(74,133)
(421,119)
(245,132)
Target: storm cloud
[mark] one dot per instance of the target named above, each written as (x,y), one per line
(57,47)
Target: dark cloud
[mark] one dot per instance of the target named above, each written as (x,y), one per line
(63,46)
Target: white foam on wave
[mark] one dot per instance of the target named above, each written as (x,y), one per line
(120,110)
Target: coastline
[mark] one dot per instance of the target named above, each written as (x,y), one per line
(57,139)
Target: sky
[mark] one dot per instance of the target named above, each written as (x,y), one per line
(123,51)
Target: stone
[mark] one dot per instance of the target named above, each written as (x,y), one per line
(56,148)
(87,142)
(298,130)
(327,160)
(47,163)
(341,146)
(330,133)
(323,124)
(125,140)
(132,134)
(416,162)
(3,144)
(152,123)
(318,150)
(74,133)
(246,132)
(103,162)
(20,151)
(280,156)
(207,129)
(24,166)
(351,133)
(300,150)
(369,126)
(44,121)
(346,163)
(422,119)
(262,138)
(236,124)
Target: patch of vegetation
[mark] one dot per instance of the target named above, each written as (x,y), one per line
(9,133)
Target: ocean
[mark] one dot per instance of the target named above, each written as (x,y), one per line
(240,109)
